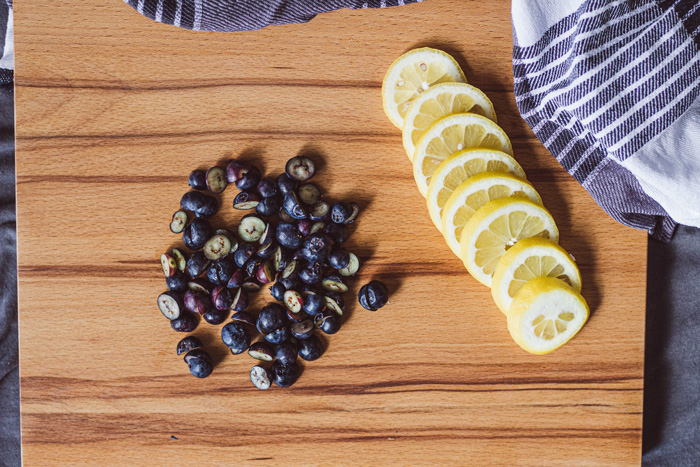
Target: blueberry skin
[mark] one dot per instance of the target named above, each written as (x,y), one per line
(285,375)
(188,343)
(198,180)
(279,336)
(177,283)
(328,322)
(340,212)
(215,317)
(199,362)
(271,318)
(244,253)
(373,295)
(197,264)
(293,206)
(310,349)
(193,200)
(292,282)
(314,304)
(311,274)
(235,337)
(316,248)
(187,322)
(236,279)
(339,259)
(267,188)
(277,291)
(268,206)
(289,236)
(211,205)
(197,233)
(302,329)
(249,179)
(286,353)
(220,271)
(338,232)
(286,184)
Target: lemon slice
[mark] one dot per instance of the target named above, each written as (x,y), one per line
(414,73)
(473,194)
(496,227)
(545,315)
(528,259)
(457,168)
(440,101)
(452,134)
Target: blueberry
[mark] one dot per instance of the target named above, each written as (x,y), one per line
(251,228)
(335,302)
(271,318)
(285,375)
(310,348)
(334,283)
(353,215)
(244,317)
(311,274)
(264,274)
(197,264)
(220,271)
(302,329)
(328,322)
(251,267)
(211,205)
(318,227)
(284,217)
(235,170)
(215,317)
(246,200)
(188,343)
(193,200)
(240,300)
(293,301)
(293,206)
(289,236)
(200,285)
(292,282)
(177,282)
(199,362)
(179,221)
(198,180)
(319,211)
(198,302)
(278,336)
(280,258)
(187,322)
(267,188)
(268,235)
(339,259)
(268,206)
(314,304)
(309,194)
(338,232)
(352,267)
(311,289)
(216,180)
(235,337)
(373,295)
(261,377)
(236,279)
(277,291)
(316,248)
(197,233)
(341,212)
(300,168)
(286,353)
(221,297)
(304,226)
(286,184)
(249,179)
(262,350)
(244,253)
(251,285)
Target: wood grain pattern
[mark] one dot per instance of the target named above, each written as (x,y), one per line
(112,113)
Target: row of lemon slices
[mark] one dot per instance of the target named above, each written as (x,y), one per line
(479,198)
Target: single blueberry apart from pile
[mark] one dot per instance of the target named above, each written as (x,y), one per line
(285,375)
(311,348)
(199,362)
(373,295)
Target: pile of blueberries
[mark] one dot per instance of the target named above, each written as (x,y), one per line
(293,242)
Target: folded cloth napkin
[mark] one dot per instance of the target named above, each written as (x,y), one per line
(611,88)
(245,15)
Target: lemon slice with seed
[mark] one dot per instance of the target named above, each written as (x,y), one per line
(471,195)
(457,168)
(528,259)
(414,73)
(545,315)
(496,227)
(452,134)
(440,101)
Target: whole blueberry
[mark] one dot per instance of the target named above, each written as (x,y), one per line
(277,291)
(198,179)
(187,322)
(293,206)
(286,353)
(312,273)
(215,317)
(279,335)
(338,232)
(244,253)
(249,179)
(197,264)
(208,208)
(291,282)
(271,318)
(341,212)
(193,200)
(198,232)
(285,375)
(316,248)
(188,343)
(314,304)
(339,259)
(289,236)
(373,295)
(235,337)
(311,348)
(177,283)
(286,184)
(220,271)
(199,362)
(268,206)
(328,322)
(268,188)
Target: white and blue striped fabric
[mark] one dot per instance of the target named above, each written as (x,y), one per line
(611,88)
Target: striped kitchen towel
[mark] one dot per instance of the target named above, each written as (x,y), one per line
(611,88)
(245,15)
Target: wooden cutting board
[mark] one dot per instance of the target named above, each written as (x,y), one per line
(113,111)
